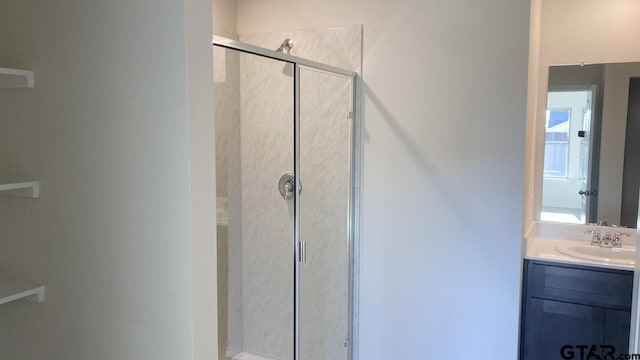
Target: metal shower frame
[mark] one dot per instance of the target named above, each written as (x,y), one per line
(354,177)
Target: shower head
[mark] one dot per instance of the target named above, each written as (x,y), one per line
(286,45)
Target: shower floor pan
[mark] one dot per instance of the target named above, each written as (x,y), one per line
(249,356)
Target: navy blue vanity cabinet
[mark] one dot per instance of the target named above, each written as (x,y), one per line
(573,305)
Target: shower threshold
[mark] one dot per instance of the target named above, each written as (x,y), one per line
(249,356)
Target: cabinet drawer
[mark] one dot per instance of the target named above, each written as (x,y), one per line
(601,287)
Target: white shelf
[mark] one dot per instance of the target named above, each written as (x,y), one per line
(11,291)
(25,189)
(15,78)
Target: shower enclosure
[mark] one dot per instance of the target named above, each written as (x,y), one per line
(285,158)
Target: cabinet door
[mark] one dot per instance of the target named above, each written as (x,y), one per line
(616,330)
(550,325)
(580,285)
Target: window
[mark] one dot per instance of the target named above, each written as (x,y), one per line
(556,143)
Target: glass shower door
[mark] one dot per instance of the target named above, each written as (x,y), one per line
(325,146)
(254,148)
(284,145)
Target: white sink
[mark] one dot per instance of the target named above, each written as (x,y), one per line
(626,255)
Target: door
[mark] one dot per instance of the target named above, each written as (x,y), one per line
(254,112)
(616,330)
(325,147)
(588,163)
(284,145)
(568,157)
(551,325)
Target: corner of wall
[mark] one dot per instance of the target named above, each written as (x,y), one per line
(532,114)
(199,60)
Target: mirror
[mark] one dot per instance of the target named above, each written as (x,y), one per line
(591,166)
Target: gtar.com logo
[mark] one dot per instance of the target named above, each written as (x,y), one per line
(588,352)
(593,352)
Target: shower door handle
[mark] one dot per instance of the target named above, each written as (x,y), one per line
(302,258)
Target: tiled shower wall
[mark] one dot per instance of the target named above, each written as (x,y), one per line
(254,134)
(324,203)
(266,111)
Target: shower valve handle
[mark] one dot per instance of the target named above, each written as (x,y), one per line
(287,186)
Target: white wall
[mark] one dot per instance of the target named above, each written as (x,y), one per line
(107,131)
(442,189)
(572,32)
(224,17)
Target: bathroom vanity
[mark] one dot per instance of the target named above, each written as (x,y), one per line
(582,170)
(573,305)
(568,300)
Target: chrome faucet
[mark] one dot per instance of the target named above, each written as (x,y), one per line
(595,239)
(617,239)
(607,241)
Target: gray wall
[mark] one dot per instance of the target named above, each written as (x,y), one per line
(444,116)
(631,177)
(561,77)
(106,131)
(614,127)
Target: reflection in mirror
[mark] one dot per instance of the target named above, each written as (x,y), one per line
(566,157)
(591,168)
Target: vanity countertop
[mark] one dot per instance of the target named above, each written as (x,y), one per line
(542,240)
(545,249)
